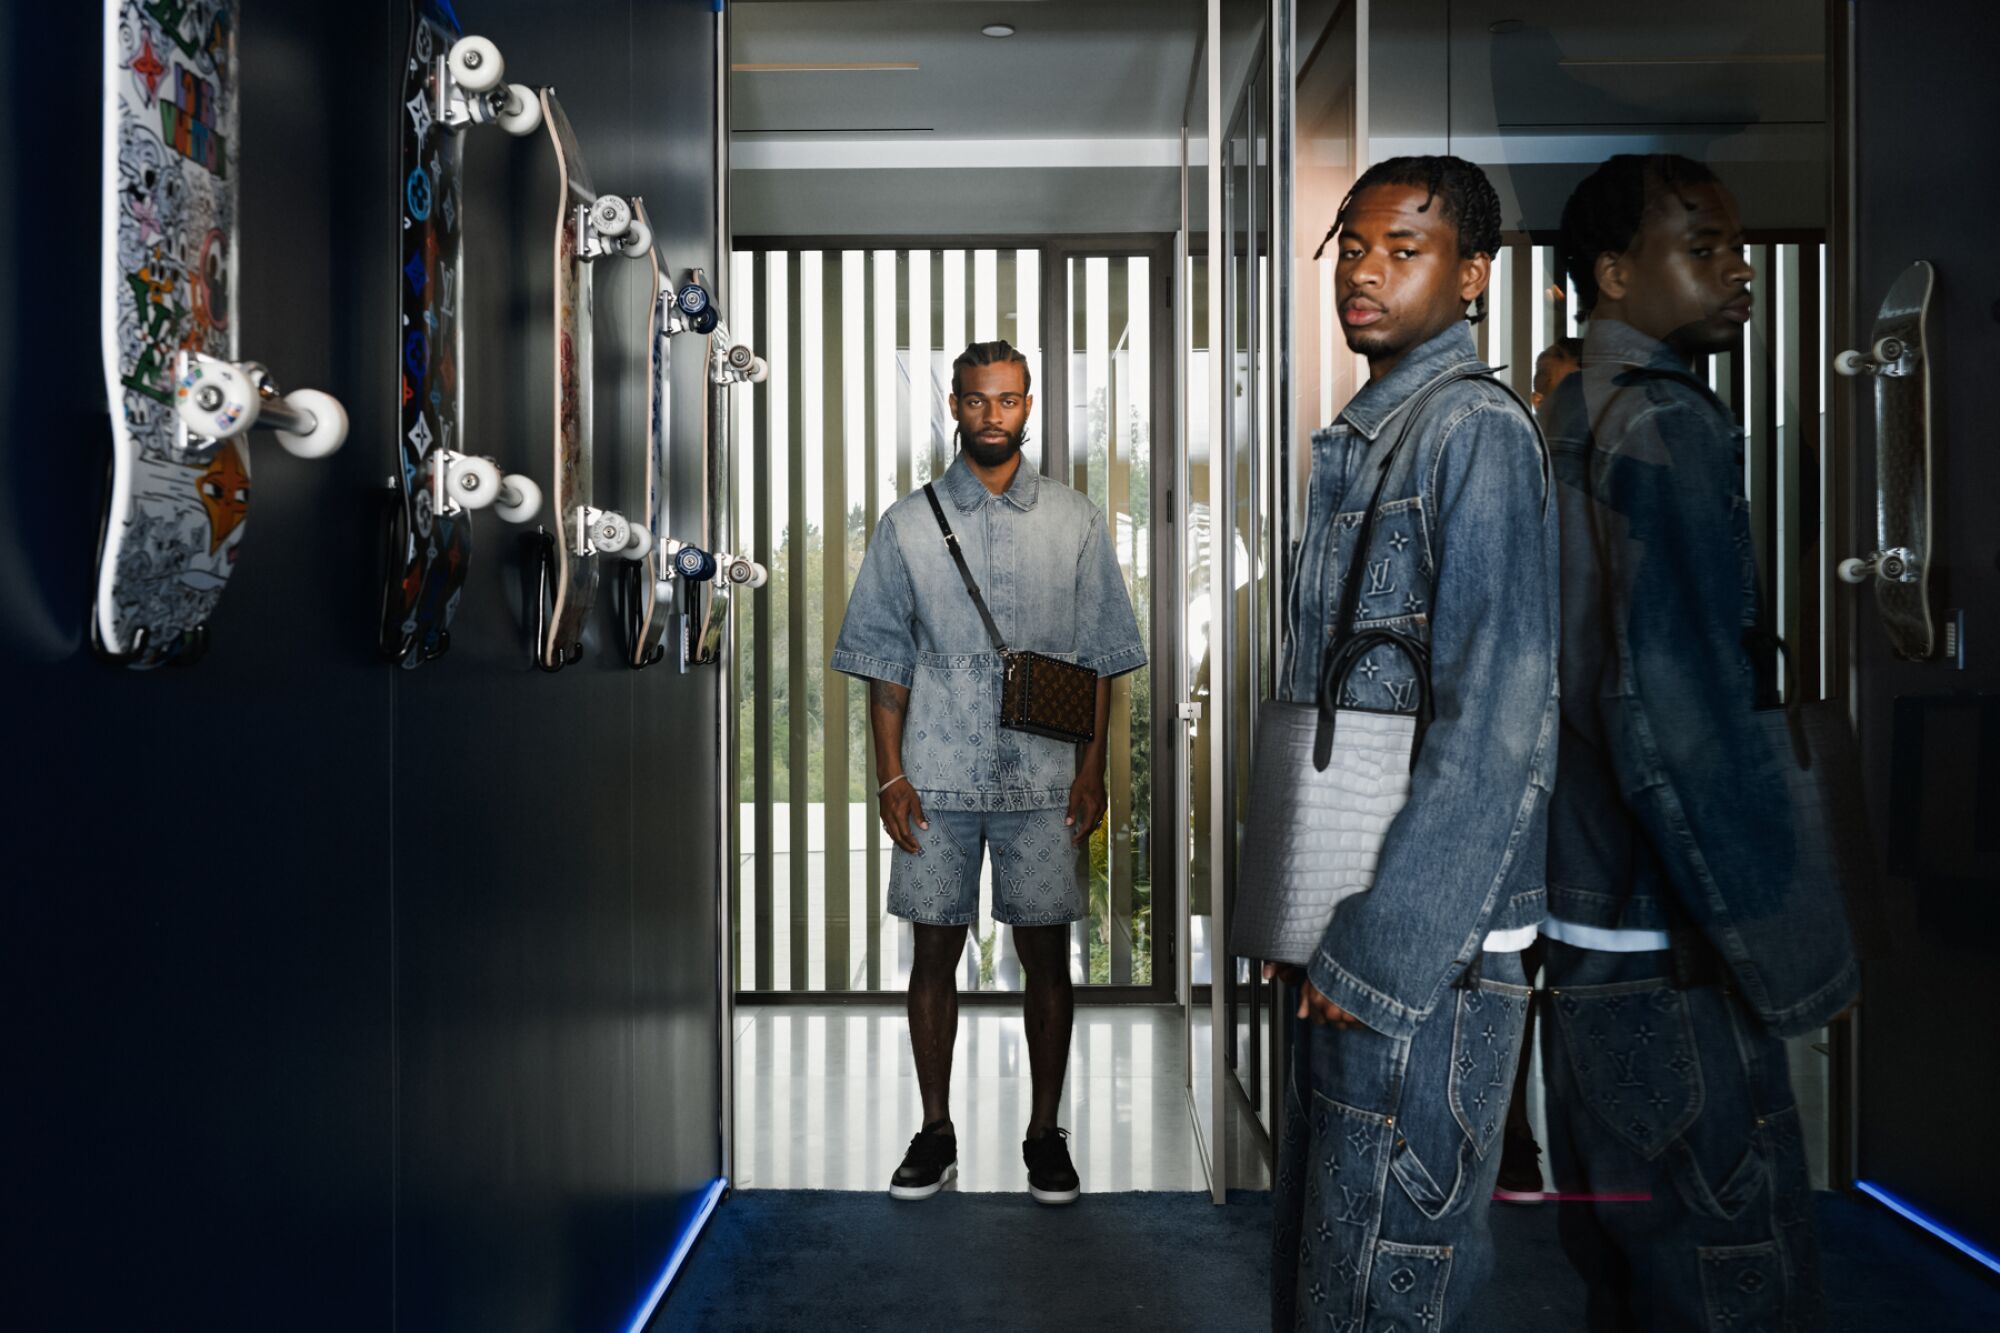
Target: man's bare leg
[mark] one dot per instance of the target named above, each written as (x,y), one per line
(933,1010)
(1051,1010)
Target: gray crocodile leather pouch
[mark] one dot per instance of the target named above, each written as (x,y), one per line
(1315,834)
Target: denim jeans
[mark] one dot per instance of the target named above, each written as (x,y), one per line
(1386,1160)
(1671,1111)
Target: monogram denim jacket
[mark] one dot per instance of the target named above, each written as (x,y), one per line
(1672,807)
(1044,563)
(1463,558)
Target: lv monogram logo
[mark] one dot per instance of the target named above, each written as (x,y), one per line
(1378,578)
(1402,693)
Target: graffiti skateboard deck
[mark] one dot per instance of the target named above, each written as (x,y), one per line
(450,83)
(1897,364)
(588,227)
(180,404)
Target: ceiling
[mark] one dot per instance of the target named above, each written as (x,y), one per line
(1071,124)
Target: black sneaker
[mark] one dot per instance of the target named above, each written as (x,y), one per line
(1051,1178)
(929,1165)
(1520,1170)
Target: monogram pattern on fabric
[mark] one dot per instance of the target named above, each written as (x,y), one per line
(1037,879)
(1485,1041)
(1742,1287)
(1632,1050)
(1394,593)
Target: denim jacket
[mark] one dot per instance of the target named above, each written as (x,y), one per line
(1045,566)
(1463,558)
(1672,808)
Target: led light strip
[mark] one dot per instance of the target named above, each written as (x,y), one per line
(679,1254)
(1942,1232)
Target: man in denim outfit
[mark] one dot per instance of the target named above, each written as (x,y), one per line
(1683,944)
(955,783)
(1412,1008)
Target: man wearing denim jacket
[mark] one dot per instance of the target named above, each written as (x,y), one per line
(1412,1008)
(1682,944)
(955,785)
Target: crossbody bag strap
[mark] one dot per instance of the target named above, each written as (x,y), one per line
(958,558)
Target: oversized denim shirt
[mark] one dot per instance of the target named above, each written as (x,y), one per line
(1672,806)
(1045,566)
(1463,557)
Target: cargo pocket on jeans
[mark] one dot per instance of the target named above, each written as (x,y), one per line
(1742,1287)
(1631,1048)
(1485,1047)
(1406,1290)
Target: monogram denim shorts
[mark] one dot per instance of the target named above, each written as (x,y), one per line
(1037,876)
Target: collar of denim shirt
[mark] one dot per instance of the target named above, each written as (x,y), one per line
(1612,342)
(1380,400)
(969,492)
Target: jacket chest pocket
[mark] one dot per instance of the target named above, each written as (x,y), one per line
(1393,593)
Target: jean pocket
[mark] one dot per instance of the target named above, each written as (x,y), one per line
(1485,1049)
(1631,1049)
(1407,1287)
(1742,1287)
(927,886)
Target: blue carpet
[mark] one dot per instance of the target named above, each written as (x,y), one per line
(801,1261)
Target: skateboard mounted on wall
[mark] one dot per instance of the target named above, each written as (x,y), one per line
(1896,365)
(588,227)
(450,83)
(655,593)
(182,402)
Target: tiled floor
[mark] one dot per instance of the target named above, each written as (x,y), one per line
(826,1098)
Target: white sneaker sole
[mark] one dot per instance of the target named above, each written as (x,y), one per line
(1053,1197)
(910,1192)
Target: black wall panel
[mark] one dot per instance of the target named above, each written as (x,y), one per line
(340,996)
(1930,1034)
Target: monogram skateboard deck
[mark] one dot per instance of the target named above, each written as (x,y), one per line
(1897,364)
(181,405)
(450,82)
(588,227)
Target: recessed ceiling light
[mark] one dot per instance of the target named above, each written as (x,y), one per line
(998,30)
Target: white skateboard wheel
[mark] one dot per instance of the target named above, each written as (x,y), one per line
(609,533)
(741,357)
(1889,350)
(1856,570)
(475,64)
(760,372)
(473,482)
(740,571)
(611,215)
(637,544)
(638,239)
(1850,363)
(520,499)
(216,400)
(329,428)
(759,576)
(522,114)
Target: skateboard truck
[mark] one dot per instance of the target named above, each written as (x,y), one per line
(1889,356)
(467,481)
(216,400)
(735,363)
(1899,565)
(607,226)
(607,532)
(689,309)
(470,91)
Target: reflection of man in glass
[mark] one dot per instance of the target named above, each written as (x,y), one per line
(1411,1010)
(1682,944)
(955,785)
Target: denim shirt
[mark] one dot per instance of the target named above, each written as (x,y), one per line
(1463,558)
(1045,566)
(1672,807)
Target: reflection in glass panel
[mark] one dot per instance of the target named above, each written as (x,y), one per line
(1111,460)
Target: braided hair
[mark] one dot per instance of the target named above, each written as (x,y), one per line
(1468,200)
(1605,212)
(997,352)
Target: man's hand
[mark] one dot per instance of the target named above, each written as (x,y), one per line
(902,812)
(1322,1011)
(1087,804)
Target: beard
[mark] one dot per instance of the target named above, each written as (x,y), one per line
(991,455)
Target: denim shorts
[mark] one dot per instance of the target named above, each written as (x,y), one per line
(1037,876)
